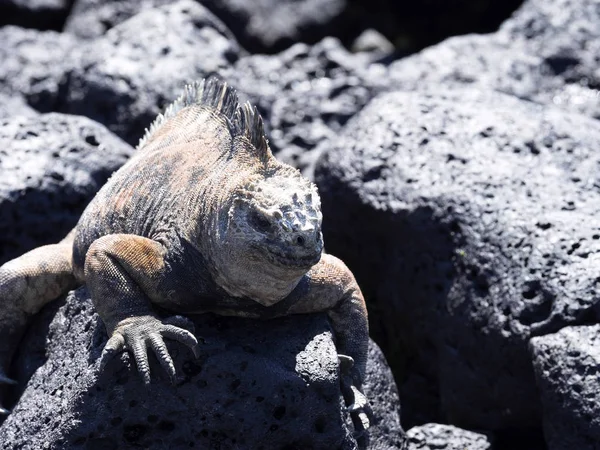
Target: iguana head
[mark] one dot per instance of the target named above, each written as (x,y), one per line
(273,236)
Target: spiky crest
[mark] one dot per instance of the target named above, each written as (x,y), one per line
(215,94)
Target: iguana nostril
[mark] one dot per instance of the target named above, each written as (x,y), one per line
(300,240)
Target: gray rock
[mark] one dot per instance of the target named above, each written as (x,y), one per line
(93,18)
(434,436)
(14,106)
(40,14)
(51,165)
(468,218)
(259,25)
(257,385)
(33,65)
(306,94)
(566,365)
(547,52)
(380,388)
(127,77)
(272,25)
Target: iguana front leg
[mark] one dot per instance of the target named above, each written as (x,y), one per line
(330,286)
(122,273)
(27,283)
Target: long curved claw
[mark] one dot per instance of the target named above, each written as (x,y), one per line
(136,334)
(116,344)
(356,401)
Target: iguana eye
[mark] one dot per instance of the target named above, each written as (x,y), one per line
(260,222)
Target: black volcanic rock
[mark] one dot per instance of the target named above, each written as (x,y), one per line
(306,94)
(259,25)
(33,65)
(434,436)
(469,219)
(257,385)
(51,166)
(566,366)
(128,76)
(548,52)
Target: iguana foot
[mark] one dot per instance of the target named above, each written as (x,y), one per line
(136,334)
(356,402)
(5,380)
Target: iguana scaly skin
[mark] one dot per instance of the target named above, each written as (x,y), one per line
(202,218)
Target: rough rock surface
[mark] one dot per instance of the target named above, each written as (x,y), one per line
(434,436)
(386,432)
(473,229)
(270,385)
(51,166)
(567,365)
(33,64)
(306,94)
(128,76)
(547,52)
(259,26)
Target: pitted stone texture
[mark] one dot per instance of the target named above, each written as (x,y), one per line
(33,65)
(130,74)
(434,436)
(306,94)
(259,26)
(473,227)
(386,432)
(51,166)
(567,364)
(270,385)
(548,52)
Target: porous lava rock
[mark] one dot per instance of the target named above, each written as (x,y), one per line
(435,436)
(269,385)
(566,366)
(51,165)
(128,76)
(468,218)
(33,65)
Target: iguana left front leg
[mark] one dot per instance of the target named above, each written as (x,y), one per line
(330,286)
(122,273)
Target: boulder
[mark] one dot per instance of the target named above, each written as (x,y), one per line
(306,94)
(468,218)
(566,367)
(259,25)
(547,52)
(33,65)
(128,76)
(435,436)
(51,165)
(270,385)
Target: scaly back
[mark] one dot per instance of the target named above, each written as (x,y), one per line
(214,97)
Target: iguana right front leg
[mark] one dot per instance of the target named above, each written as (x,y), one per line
(122,273)
(27,283)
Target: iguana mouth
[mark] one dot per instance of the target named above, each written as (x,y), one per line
(289,260)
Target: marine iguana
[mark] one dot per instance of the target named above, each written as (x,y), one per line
(202,218)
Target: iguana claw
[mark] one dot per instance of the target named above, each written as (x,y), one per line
(136,334)
(357,403)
